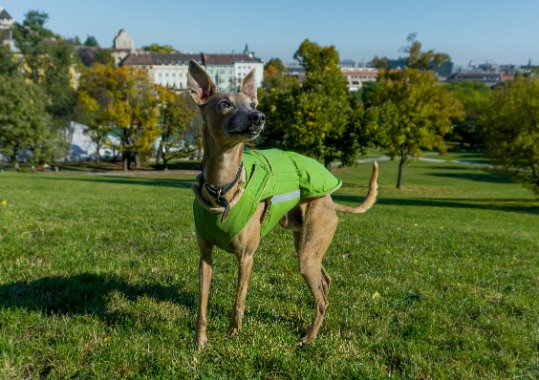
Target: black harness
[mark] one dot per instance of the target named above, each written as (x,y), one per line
(218,192)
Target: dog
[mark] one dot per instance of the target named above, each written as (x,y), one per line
(241,194)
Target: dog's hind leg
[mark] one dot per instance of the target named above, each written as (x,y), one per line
(204,281)
(318,229)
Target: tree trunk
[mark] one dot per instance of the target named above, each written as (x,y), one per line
(126,161)
(158,155)
(137,160)
(97,149)
(157,158)
(401,168)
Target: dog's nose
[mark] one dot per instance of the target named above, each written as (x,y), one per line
(257,118)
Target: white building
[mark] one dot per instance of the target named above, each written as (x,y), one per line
(228,70)
(357,73)
(170,69)
(6,34)
(165,69)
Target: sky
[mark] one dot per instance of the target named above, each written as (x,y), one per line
(473,30)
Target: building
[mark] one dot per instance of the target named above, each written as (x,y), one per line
(228,70)
(165,69)
(357,73)
(122,46)
(170,69)
(490,78)
(296,71)
(487,73)
(6,33)
(443,71)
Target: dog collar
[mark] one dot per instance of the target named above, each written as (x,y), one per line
(218,192)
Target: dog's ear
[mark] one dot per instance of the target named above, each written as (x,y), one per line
(200,83)
(248,85)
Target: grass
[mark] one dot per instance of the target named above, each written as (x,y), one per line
(98,280)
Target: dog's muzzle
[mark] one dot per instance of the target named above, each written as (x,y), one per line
(257,119)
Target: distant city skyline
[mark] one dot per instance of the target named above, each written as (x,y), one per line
(479,31)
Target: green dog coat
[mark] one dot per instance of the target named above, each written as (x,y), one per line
(281,179)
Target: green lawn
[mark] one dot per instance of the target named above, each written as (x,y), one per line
(98,280)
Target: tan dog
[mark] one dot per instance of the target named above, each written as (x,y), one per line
(231,120)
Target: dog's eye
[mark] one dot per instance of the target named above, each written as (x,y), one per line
(224,105)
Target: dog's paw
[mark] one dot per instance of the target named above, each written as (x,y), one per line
(201,343)
(305,341)
(233,330)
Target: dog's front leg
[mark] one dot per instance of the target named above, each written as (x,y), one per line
(244,247)
(245,265)
(204,281)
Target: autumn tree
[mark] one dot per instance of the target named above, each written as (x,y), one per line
(122,98)
(410,109)
(175,114)
(511,127)
(90,114)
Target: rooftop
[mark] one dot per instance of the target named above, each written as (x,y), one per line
(4,15)
(142,59)
(228,59)
(151,58)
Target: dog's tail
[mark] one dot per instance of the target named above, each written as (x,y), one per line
(371,195)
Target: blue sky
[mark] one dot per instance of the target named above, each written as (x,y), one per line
(477,30)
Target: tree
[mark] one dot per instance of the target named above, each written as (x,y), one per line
(175,115)
(49,63)
(103,57)
(88,113)
(511,127)
(313,118)
(32,39)
(8,64)
(91,41)
(277,100)
(274,73)
(122,98)
(410,110)
(474,96)
(156,48)
(23,120)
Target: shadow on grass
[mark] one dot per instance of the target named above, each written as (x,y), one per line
(85,293)
(181,165)
(166,182)
(475,176)
(117,166)
(528,206)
